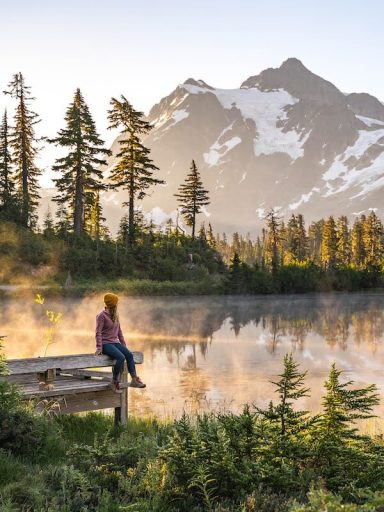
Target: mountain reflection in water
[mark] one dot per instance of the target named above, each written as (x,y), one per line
(204,353)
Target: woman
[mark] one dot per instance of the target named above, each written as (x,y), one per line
(110,341)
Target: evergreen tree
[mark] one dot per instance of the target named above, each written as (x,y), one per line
(249,252)
(291,244)
(48,224)
(336,441)
(63,222)
(236,243)
(282,247)
(286,428)
(301,239)
(315,236)
(290,388)
(192,196)
(211,237)
(23,142)
(273,240)
(235,283)
(373,241)
(202,234)
(122,234)
(342,406)
(329,244)
(134,169)
(357,244)
(82,176)
(7,188)
(259,252)
(343,241)
(94,223)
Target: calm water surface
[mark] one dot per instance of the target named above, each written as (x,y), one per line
(216,353)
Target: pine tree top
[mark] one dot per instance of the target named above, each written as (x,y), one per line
(134,168)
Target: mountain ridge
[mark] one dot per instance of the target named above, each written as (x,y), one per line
(286,138)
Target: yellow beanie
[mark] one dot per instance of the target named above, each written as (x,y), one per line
(111,300)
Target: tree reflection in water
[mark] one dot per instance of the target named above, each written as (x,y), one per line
(203,351)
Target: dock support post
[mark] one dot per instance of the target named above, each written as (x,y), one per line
(124,397)
(121,413)
(117,416)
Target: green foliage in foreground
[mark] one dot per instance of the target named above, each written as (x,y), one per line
(277,459)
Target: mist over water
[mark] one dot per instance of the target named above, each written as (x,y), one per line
(215,353)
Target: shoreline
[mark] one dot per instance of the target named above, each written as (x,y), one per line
(147,288)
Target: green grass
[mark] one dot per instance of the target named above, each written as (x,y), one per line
(84,428)
(149,287)
(133,287)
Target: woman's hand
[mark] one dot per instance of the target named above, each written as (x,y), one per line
(98,353)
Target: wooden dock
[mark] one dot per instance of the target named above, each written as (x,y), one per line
(69,385)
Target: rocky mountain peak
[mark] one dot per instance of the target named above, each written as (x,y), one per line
(294,64)
(299,81)
(198,83)
(364,104)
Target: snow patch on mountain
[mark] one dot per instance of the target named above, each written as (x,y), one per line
(268,110)
(371,179)
(158,216)
(369,121)
(178,101)
(303,199)
(244,175)
(260,212)
(217,150)
(177,116)
(167,121)
(346,172)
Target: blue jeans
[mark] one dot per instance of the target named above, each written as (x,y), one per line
(120,352)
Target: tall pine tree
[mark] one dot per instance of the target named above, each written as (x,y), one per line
(94,220)
(343,241)
(211,237)
(7,197)
(81,174)
(329,244)
(134,168)
(357,244)
(192,196)
(24,144)
(315,236)
(373,241)
(273,240)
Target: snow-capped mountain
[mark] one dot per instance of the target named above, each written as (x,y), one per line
(285,138)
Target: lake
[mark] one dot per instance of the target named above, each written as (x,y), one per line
(215,353)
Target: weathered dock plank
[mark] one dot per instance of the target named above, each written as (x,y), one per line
(79,361)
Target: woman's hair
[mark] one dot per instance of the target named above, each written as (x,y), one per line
(113,313)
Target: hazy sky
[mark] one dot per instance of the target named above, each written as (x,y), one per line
(143,49)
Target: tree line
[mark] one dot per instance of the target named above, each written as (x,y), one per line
(80,178)
(328,243)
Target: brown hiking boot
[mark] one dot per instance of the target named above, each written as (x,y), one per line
(115,386)
(136,382)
